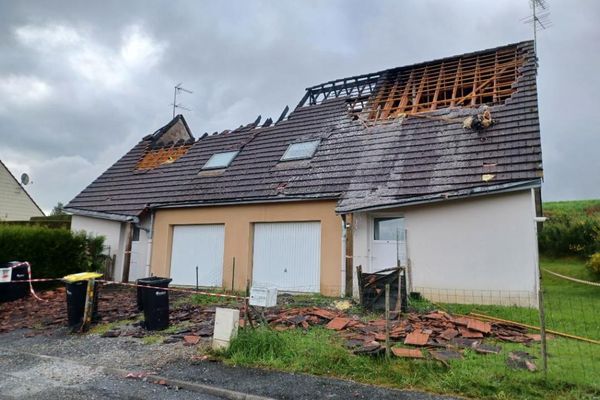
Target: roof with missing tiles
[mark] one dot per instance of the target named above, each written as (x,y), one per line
(363,164)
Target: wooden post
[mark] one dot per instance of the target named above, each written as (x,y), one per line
(127,257)
(233,276)
(387,320)
(360,286)
(248,317)
(89,305)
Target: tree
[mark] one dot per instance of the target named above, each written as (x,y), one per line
(58,209)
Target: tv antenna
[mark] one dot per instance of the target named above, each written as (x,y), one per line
(539,18)
(178,88)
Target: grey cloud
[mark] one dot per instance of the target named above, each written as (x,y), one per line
(245,58)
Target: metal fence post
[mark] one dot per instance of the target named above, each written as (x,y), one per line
(542,325)
(387,320)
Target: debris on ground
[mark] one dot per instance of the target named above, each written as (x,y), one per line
(437,334)
(114,304)
(521,360)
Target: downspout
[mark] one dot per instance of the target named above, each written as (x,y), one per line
(150,234)
(343,260)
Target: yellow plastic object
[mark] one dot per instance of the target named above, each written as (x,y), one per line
(82,276)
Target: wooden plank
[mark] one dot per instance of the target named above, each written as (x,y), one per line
(437,88)
(417,97)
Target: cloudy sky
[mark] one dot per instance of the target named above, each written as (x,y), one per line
(82,82)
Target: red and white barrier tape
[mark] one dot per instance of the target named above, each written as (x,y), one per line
(191,291)
(30,279)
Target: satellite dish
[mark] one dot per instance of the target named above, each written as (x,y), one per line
(24,179)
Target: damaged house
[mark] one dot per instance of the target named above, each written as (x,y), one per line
(435,166)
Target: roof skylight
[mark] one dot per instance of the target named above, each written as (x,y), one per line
(299,151)
(220,160)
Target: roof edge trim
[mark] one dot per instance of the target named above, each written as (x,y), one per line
(103,215)
(506,188)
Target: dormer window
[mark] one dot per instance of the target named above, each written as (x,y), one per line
(300,151)
(220,160)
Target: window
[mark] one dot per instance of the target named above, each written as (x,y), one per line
(220,160)
(299,151)
(136,234)
(388,229)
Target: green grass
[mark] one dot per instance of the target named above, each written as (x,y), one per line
(573,207)
(574,367)
(319,352)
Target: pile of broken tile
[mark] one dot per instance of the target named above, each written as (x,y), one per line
(114,304)
(444,336)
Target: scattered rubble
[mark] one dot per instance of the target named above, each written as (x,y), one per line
(438,334)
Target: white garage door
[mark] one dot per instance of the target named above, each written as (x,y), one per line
(287,255)
(197,245)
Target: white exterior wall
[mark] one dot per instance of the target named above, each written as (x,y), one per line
(113,232)
(482,250)
(15,204)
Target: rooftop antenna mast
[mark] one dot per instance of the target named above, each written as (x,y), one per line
(540,18)
(178,88)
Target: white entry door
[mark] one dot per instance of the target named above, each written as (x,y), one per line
(287,255)
(137,262)
(388,243)
(201,246)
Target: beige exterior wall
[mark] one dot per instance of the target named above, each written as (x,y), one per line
(15,204)
(239,220)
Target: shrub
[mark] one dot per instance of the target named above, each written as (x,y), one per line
(593,264)
(53,253)
(567,234)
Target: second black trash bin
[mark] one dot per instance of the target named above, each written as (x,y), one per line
(155,302)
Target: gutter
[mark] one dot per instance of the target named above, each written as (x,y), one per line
(149,235)
(238,202)
(506,188)
(343,270)
(102,215)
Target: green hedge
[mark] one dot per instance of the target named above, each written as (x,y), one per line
(53,253)
(570,234)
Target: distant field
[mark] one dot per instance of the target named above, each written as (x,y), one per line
(573,207)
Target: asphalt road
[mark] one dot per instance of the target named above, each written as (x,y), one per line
(64,366)
(28,377)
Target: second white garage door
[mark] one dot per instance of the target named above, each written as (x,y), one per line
(287,255)
(198,245)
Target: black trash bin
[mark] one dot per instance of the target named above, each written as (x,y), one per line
(76,294)
(14,289)
(155,303)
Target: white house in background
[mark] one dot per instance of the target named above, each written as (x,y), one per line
(436,166)
(15,203)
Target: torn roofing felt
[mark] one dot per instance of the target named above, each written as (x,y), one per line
(385,139)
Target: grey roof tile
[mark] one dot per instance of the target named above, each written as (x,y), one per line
(362,167)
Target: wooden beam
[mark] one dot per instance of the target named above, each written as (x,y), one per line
(405,93)
(437,88)
(475,83)
(417,97)
(456,80)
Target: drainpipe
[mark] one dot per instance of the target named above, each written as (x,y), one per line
(343,270)
(149,235)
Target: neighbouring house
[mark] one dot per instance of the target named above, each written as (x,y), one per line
(15,203)
(436,166)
